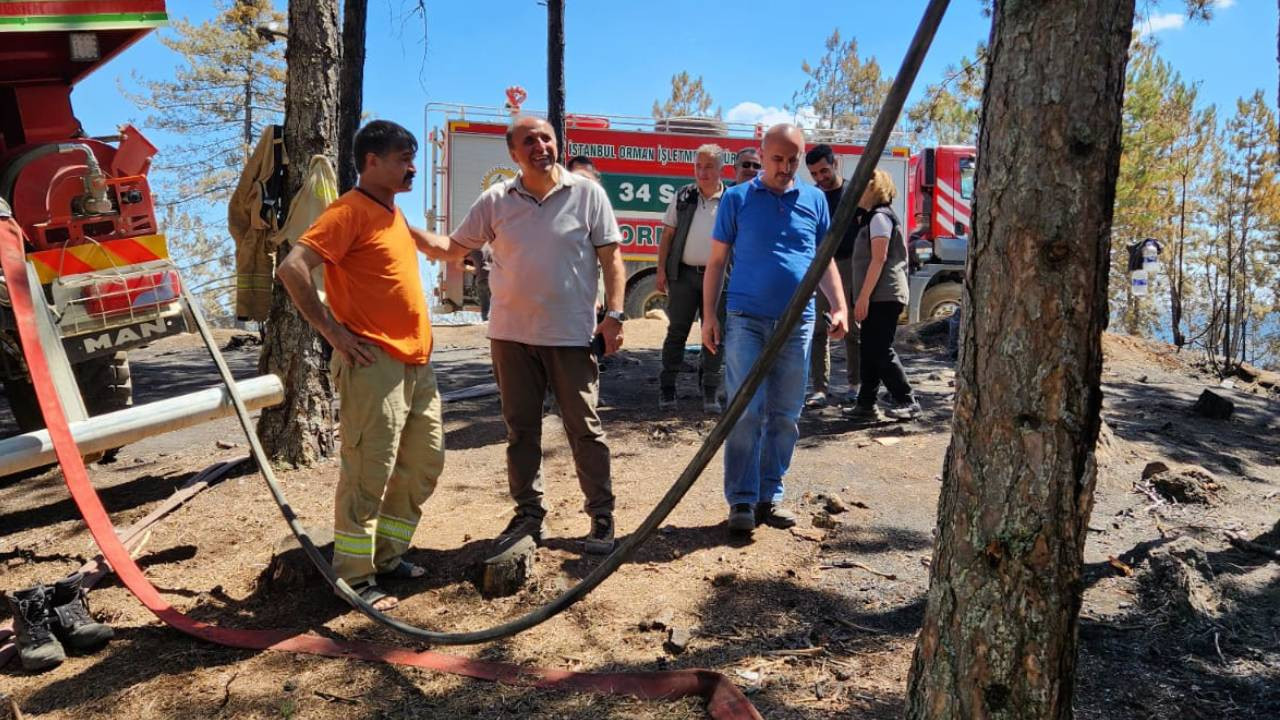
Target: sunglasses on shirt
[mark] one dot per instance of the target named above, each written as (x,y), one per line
(749,165)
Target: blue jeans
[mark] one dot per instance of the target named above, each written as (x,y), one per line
(758,450)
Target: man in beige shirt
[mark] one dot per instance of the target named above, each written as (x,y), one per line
(549,231)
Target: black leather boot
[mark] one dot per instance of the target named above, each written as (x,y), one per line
(32,623)
(71,619)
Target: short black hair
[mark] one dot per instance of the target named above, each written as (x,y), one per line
(381,137)
(819,153)
(582,160)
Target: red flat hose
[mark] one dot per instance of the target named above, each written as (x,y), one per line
(724,701)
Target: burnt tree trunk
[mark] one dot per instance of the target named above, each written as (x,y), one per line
(999,634)
(555,74)
(355,15)
(298,431)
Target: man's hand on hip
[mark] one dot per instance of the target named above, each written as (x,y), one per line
(349,344)
(711,333)
(611,330)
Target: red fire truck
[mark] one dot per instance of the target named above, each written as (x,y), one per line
(643,163)
(941,197)
(94,249)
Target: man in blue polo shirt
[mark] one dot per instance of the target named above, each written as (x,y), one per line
(771,227)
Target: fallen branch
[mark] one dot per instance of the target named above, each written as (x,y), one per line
(841,564)
(798,652)
(9,709)
(1251,546)
(855,626)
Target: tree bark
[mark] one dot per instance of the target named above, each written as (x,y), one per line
(999,634)
(298,431)
(355,15)
(555,73)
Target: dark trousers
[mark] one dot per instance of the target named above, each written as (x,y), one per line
(880,362)
(820,354)
(684,304)
(524,373)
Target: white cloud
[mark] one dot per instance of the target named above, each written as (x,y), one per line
(1223,4)
(1161,22)
(751,113)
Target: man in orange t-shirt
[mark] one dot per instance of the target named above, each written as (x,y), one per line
(377,322)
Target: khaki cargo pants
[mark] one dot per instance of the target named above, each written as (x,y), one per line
(392,454)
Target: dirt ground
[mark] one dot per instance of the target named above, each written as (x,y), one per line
(1175,622)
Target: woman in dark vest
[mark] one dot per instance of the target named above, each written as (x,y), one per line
(880,292)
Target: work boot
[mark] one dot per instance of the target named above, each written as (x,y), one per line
(71,619)
(37,647)
(666,398)
(768,513)
(710,401)
(600,541)
(522,524)
(742,518)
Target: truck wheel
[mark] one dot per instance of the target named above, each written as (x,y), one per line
(940,301)
(105,383)
(643,296)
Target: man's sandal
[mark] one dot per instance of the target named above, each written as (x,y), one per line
(404,570)
(372,594)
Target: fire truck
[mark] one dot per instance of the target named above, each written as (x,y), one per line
(941,197)
(642,161)
(95,256)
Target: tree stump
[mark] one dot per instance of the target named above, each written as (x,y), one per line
(290,569)
(505,573)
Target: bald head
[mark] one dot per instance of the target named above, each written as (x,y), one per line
(783,144)
(532,144)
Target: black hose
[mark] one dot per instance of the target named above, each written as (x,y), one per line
(880,132)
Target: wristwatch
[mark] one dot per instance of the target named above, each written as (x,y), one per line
(616,315)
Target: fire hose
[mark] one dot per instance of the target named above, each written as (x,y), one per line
(724,700)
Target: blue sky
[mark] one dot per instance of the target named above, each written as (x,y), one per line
(620,56)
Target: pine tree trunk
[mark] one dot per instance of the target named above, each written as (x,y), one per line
(298,431)
(355,15)
(999,634)
(555,74)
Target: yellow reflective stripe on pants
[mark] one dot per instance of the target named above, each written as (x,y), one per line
(395,528)
(352,544)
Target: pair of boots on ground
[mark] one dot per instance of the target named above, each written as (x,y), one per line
(45,618)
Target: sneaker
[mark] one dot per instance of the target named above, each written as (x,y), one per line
(904,410)
(863,413)
(600,541)
(521,525)
(816,399)
(851,397)
(770,514)
(742,518)
(711,402)
(666,398)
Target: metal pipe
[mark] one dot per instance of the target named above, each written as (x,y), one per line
(114,429)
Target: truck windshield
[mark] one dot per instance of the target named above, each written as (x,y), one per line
(966,177)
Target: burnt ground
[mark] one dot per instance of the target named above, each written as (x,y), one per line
(1175,622)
